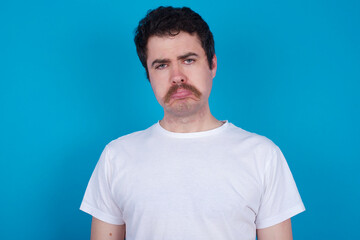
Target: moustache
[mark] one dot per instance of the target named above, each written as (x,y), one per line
(186,86)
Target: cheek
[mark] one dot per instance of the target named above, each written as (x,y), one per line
(207,89)
(159,91)
(206,84)
(158,82)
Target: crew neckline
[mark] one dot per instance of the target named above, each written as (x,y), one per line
(205,133)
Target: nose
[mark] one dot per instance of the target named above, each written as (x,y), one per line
(177,75)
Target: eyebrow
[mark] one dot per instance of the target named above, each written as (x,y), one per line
(186,55)
(160,61)
(166,60)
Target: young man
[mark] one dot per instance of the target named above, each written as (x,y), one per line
(189,176)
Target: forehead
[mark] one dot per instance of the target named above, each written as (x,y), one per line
(164,46)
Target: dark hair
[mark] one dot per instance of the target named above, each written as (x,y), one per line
(171,21)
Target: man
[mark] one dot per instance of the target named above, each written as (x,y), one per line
(189,176)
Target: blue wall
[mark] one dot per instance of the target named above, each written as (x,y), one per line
(70,82)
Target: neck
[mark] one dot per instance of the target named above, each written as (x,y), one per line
(202,121)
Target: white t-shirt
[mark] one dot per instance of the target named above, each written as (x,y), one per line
(218,184)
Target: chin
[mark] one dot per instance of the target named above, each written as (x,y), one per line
(183,108)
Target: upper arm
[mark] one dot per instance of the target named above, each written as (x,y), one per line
(281,231)
(105,231)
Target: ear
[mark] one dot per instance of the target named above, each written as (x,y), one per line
(214,66)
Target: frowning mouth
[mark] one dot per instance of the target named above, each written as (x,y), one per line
(181,91)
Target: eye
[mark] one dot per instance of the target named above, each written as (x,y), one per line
(161,66)
(189,61)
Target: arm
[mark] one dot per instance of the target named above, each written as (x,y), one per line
(105,231)
(281,231)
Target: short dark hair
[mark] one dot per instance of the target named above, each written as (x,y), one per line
(171,21)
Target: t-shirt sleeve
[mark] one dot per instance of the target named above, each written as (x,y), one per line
(280,199)
(98,200)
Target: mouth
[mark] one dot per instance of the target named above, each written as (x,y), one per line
(181,91)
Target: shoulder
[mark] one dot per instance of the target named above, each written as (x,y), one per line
(129,141)
(252,140)
(255,148)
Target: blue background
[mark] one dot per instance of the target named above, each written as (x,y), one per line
(71,82)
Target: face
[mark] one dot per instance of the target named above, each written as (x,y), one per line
(179,73)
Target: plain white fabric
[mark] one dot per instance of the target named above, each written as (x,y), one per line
(218,184)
